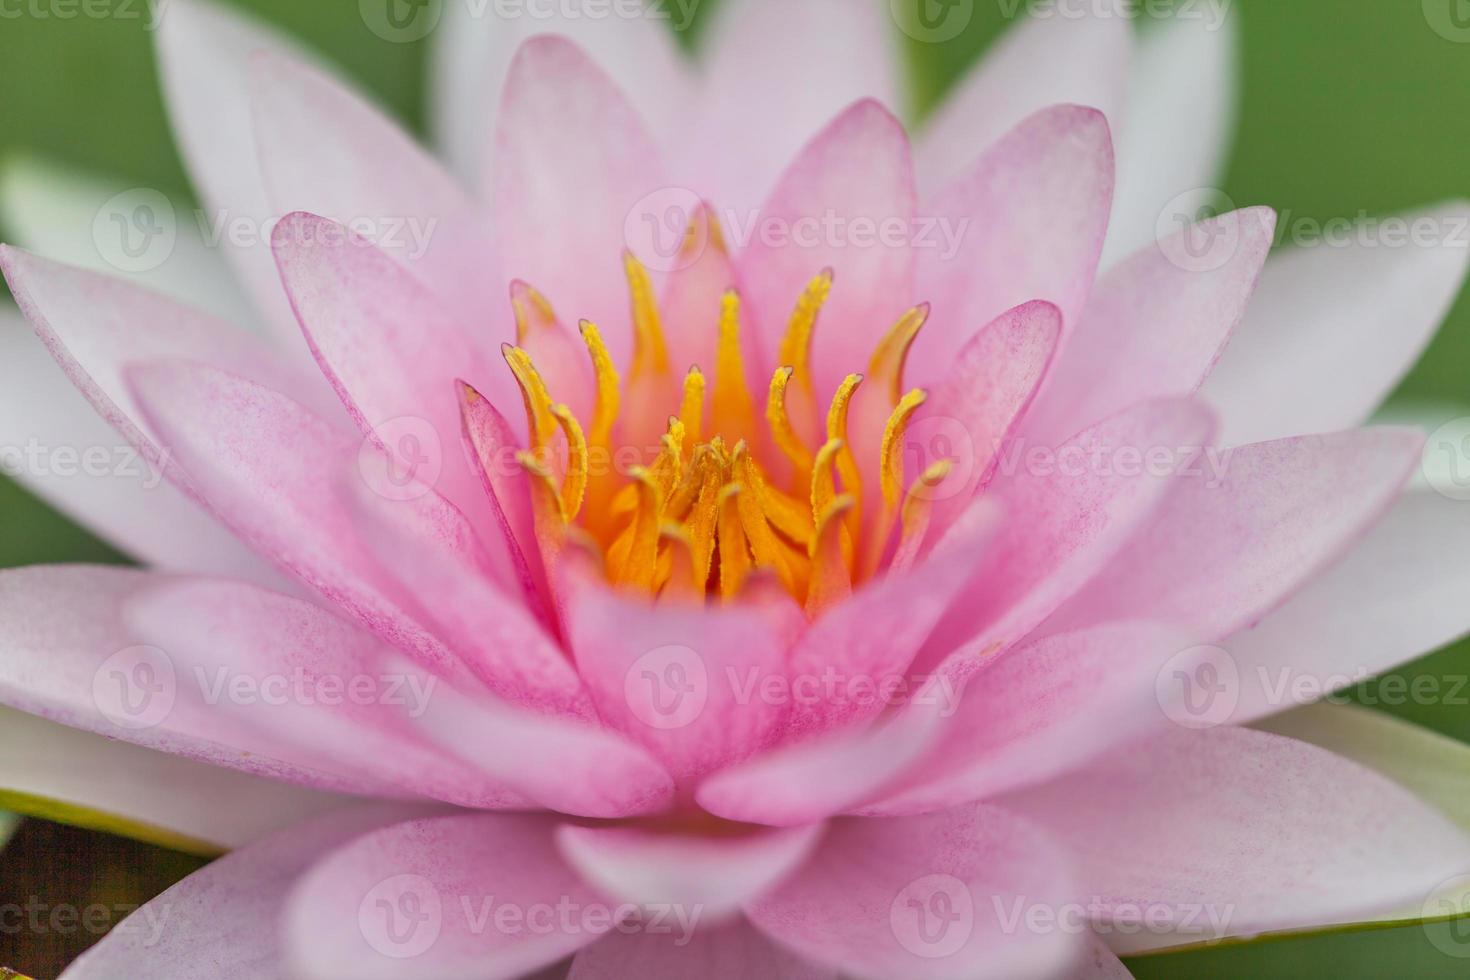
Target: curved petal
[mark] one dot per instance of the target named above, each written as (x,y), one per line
(1254,833)
(732,952)
(572,164)
(472,54)
(221,921)
(1177,123)
(473,897)
(60,773)
(1154,326)
(1025,222)
(926,897)
(774,74)
(873,280)
(1332,329)
(713,874)
(1086,55)
(1244,531)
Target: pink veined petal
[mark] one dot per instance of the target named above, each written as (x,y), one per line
(204,49)
(390,350)
(431,890)
(731,952)
(970,414)
(690,683)
(814,58)
(68,656)
(323,149)
(926,897)
(1175,135)
(271,470)
(221,921)
(874,275)
(1042,708)
(1025,222)
(572,164)
(1066,518)
(163,796)
(1331,330)
(473,48)
(1155,325)
(1086,57)
(1242,533)
(1398,593)
(713,875)
(130,505)
(1251,833)
(290,669)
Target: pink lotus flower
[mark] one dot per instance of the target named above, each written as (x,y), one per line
(910,634)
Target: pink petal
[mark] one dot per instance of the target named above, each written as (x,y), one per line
(1040,709)
(874,275)
(68,656)
(1240,535)
(429,892)
(572,164)
(1332,330)
(221,921)
(714,874)
(732,952)
(926,897)
(1065,520)
(1086,59)
(1025,222)
(1155,325)
(1248,833)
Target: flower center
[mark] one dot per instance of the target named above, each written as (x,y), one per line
(720,502)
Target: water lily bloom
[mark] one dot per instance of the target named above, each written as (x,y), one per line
(722,531)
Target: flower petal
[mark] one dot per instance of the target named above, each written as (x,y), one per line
(1254,833)
(1025,222)
(867,901)
(1331,330)
(731,952)
(432,890)
(1086,53)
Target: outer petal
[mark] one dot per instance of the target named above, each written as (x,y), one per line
(926,897)
(814,58)
(61,773)
(1331,330)
(873,281)
(1252,833)
(221,921)
(441,891)
(572,163)
(1245,530)
(1025,222)
(713,874)
(732,952)
(474,46)
(1154,326)
(1396,595)
(1086,59)
(1178,122)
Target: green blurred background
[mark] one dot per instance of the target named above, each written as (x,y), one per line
(1347,107)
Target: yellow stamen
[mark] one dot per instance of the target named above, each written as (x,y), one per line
(887,364)
(545,500)
(670,460)
(732,414)
(650,353)
(847,467)
(824,491)
(781,429)
(830,579)
(574,485)
(796,344)
(533,393)
(633,558)
(787,514)
(691,407)
(764,544)
(734,551)
(532,310)
(702,520)
(917,508)
(684,582)
(891,475)
(605,413)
